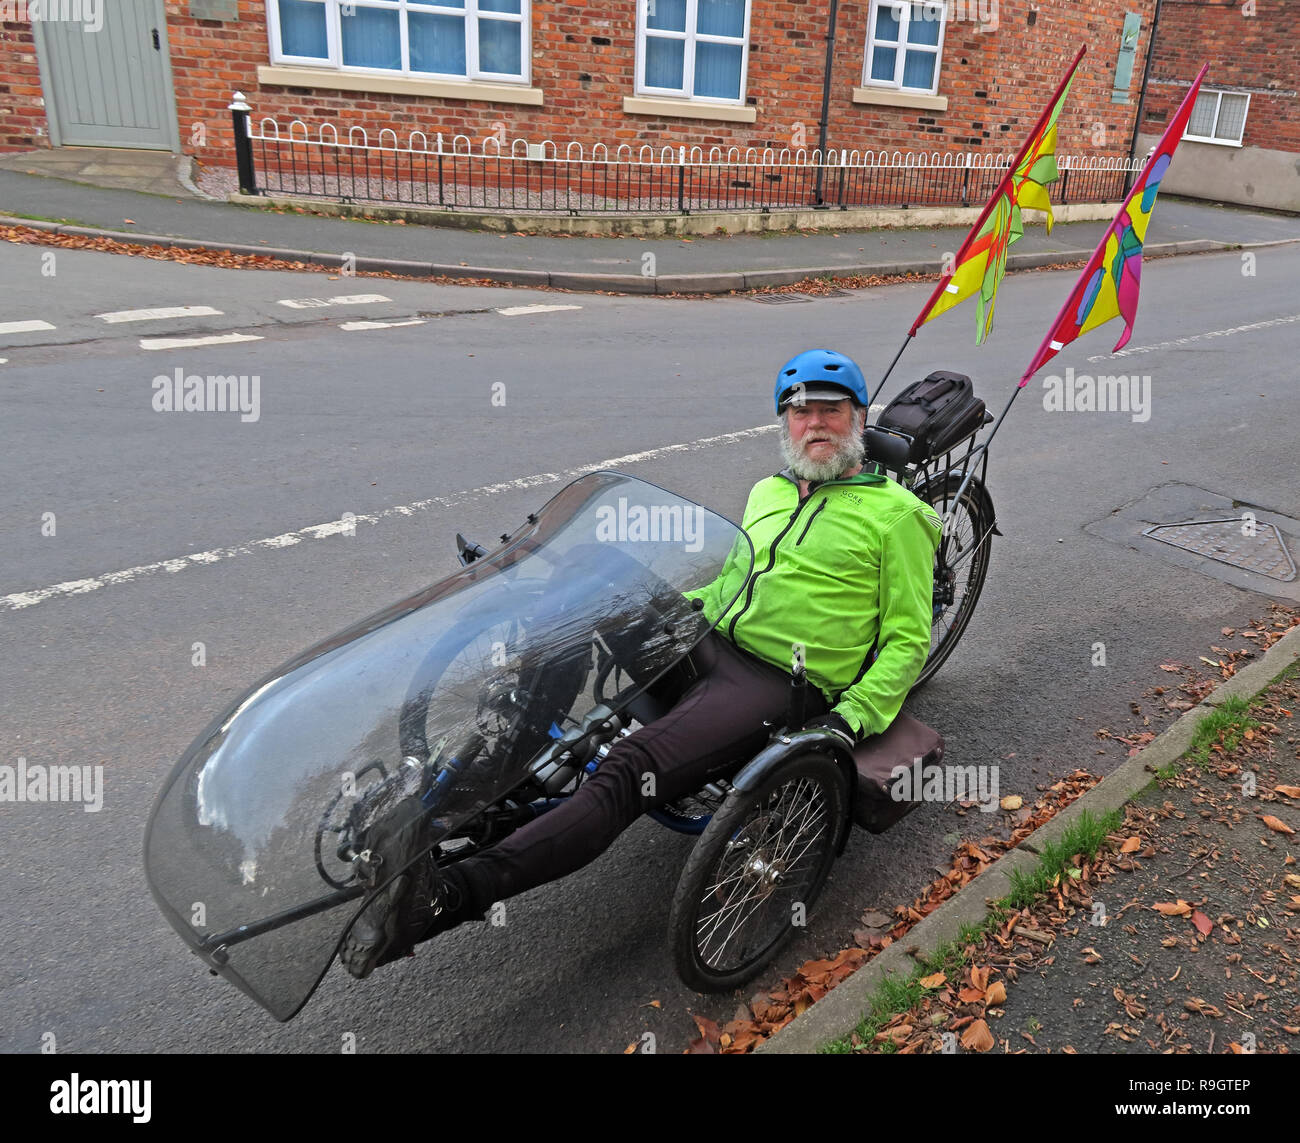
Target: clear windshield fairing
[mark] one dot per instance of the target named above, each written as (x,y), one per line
(473,693)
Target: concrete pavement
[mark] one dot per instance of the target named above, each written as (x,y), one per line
(706,264)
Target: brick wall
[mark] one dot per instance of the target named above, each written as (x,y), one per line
(22,110)
(996,82)
(1259,53)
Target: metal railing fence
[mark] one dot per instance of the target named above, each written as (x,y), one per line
(536,178)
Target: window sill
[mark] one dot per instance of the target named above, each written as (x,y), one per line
(687,109)
(398,85)
(884,97)
(1211,142)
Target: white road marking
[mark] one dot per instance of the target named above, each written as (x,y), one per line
(157,314)
(21,599)
(342,300)
(188,342)
(24,326)
(519,311)
(1135,350)
(4,361)
(351,325)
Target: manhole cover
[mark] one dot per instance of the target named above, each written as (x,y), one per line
(1222,540)
(781,299)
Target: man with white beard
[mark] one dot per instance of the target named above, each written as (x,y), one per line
(843,565)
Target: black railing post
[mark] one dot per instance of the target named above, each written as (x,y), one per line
(441,201)
(681,181)
(1065,182)
(239,110)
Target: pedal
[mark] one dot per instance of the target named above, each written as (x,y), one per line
(367,863)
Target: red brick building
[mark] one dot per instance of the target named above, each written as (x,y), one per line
(1243,142)
(968,74)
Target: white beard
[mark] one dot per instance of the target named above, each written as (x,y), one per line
(849,452)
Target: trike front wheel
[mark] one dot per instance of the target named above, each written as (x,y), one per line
(755,873)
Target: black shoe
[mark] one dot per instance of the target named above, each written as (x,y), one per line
(396,917)
(417,905)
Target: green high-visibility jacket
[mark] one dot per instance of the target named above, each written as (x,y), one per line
(848,569)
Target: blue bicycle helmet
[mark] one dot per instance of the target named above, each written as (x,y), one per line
(815,368)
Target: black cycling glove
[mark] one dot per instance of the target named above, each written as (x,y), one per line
(836,724)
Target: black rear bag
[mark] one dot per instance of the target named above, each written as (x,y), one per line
(936,413)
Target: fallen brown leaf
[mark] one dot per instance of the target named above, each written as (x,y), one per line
(934,980)
(1277,825)
(1170,909)
(977,1037)
(1203,924)
(1201,1007)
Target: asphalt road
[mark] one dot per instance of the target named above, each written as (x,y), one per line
(367,420)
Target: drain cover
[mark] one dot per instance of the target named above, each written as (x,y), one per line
(1222,540)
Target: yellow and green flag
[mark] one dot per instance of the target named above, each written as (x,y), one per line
(982,260)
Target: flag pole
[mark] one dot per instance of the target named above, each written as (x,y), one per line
(910,334)
(982,447)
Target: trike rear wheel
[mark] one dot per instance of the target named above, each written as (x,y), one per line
(961,563)
(755,873)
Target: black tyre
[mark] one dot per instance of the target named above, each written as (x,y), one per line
(960,564)
(755,873)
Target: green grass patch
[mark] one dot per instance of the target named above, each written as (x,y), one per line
(47,218)
(1224,727)
(900,995)
(1083,836)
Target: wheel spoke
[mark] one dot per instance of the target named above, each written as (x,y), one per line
(778,837)
(961,563)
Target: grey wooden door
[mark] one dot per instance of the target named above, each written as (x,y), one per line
(111,86)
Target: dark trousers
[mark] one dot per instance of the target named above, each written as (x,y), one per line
(717,723)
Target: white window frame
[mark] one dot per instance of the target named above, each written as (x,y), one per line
(470,12)
(904,9)
(692,37)
(1218,107)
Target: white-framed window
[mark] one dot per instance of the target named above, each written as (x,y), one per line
(693,49)
(449,39)
(1218,117)
(904,44)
